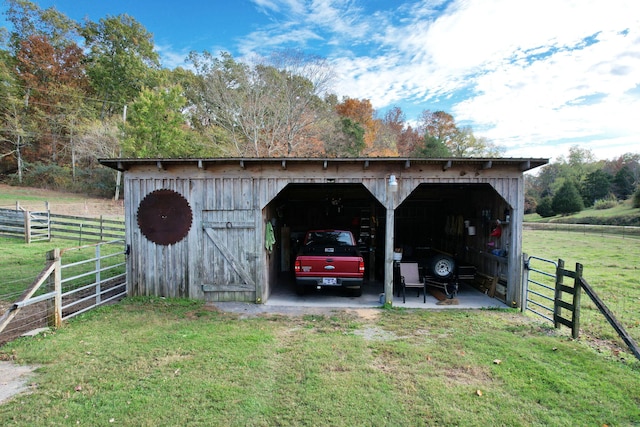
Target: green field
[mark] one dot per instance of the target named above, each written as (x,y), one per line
(623,210)
(150,361)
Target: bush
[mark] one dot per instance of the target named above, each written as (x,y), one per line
(608,203)
(544,208)
(567,200)
(636,198)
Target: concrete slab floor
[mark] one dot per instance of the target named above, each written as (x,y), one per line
(284,300)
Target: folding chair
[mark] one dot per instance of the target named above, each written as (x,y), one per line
(410,278)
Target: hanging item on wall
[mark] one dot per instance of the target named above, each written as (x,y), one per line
(164,217)
(497,230)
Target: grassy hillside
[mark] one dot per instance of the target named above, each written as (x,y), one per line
(621,214)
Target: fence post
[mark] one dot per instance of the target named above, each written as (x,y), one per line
(577,288)
(558,294)
(27,227)
(54,255)
(525,281)
(98,287)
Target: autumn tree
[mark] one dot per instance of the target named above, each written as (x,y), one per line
(55,84)
(264,110)
(439,125)
(361,111)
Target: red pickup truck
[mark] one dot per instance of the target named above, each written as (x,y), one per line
(329,258)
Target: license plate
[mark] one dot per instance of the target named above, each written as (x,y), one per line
(329,281)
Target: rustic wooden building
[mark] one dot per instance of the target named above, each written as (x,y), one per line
(200,228)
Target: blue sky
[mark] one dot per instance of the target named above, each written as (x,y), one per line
(534,76)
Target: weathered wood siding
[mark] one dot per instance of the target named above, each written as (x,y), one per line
(223,258)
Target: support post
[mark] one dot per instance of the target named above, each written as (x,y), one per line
(27,227)
(557,310)
(54,256)
(388,247)
(525,283)
(577,288)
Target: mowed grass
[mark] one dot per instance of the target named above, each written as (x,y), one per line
(611,266)
(150,362)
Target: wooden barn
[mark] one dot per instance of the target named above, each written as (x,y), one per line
(227,229)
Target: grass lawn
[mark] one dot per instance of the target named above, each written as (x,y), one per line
(149,362)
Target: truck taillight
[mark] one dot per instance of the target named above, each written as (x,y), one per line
(297,266)
(361,266)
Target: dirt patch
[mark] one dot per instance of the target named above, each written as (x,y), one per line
(61,203)
(14,379)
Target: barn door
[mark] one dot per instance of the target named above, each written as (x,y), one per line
(229,258)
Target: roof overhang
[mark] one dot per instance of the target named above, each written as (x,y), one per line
(521,164)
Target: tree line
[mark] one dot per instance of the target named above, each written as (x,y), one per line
(579,181)
(73,92)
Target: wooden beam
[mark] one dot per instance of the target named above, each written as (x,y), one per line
(487,165)
(526,165)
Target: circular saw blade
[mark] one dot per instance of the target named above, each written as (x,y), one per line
(164,217)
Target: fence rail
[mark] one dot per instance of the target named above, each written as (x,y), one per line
(624,231)
(38,226)
(73,281)
(85,229)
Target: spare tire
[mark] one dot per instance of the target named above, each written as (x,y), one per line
(442,266)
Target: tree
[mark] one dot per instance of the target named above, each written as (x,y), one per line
(361,111)
(28,20)
(624,183)
(460,141)
(567,200)
(438,124)
(349,139)
(545,208)
(54,81)
(264,110)
(432,148)
(597,185)
(121,60)
(155,126)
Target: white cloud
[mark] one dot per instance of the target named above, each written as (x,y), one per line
(536,76)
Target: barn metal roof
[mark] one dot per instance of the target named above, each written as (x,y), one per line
(522,164)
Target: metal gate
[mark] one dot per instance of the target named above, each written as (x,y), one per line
(539,286)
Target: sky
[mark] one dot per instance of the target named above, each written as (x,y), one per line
(533,76)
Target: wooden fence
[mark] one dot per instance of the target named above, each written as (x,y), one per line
(32,226)
(73,281)
(559,301)
(38,226)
